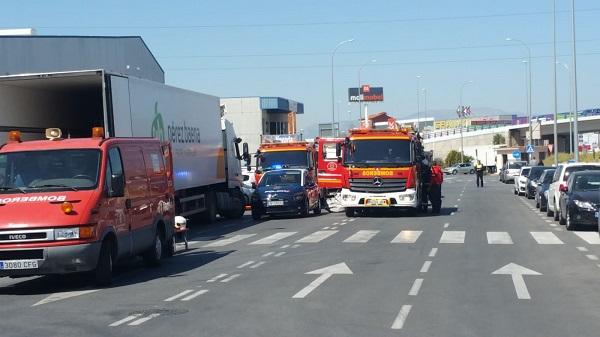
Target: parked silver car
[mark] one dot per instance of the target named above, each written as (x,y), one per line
(465,168)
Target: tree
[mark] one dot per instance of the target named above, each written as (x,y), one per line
(453,157)
(499,139)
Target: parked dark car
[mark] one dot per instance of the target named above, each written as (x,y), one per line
(534,174)
(579,200)
(288,191)
(541,189)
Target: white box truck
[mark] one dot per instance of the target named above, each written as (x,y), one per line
(206,156)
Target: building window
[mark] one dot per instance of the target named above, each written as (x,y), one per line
(272,128)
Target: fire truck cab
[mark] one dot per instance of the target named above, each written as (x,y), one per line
(330,170)
(285,151)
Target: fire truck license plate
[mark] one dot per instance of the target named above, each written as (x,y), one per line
(376,202)
(18,264)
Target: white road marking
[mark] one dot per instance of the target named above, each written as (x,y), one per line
(335,223)
(125,320)
(228,241)
(232,277)
(546,238)
(317,236)
(590,237)
(453,237)
(516,272)
(458,198)
(592,257)
(558,229)
(143,319)
(248,263)
(327,227)
(455,206)
(279,254)
(362,236)
(425,267)
(407,237)
(351,220)
(433,252)
(499,238)
(220,276)
(295,246)
(401,318)
(414,290)
(553,225)
(324,274)
(273,238)
(268,254)
(446,225)
(582,249)
(196,294)
(548,220)
(64,295)
(181,294)
(258,264)
(284,246)
(452,213)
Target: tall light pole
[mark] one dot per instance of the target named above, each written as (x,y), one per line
(462,118)
(425,104)
(359,86)
(529,87)
(570,107)
(575,120)
(333,87)
(418,102)
(555,124)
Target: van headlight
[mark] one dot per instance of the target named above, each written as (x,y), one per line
(66,233)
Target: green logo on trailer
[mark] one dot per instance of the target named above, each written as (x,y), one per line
(158,127)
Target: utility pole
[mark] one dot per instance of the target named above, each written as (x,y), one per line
(555,146)
(575,120)
(333,87)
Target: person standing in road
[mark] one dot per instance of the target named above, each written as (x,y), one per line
(435,188)
(479,170)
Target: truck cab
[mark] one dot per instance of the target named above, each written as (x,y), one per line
(285,151)
(82,204)
(330,170)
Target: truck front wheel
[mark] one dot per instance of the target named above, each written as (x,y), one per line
(103,272)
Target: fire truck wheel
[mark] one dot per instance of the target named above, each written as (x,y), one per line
(103,272)
(350,212)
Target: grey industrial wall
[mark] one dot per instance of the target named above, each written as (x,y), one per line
(247,118)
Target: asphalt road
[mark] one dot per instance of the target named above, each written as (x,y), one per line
(457,274)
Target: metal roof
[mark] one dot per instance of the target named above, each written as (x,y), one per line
(282,104)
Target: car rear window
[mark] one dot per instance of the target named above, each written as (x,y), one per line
(573,169)
(548,177)
(514,166)
(525,172)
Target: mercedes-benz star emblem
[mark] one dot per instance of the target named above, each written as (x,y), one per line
(377,181)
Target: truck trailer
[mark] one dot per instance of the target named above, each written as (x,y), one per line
(206,157)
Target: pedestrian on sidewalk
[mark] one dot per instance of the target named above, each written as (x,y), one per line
(479,170)
(435,188)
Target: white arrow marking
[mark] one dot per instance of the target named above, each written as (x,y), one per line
(516,272)
(64,295)
(327,272)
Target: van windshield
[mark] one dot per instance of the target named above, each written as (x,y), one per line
(50,170)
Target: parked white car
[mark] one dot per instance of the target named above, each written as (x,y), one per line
(559,181)
(521,180)
(511,170)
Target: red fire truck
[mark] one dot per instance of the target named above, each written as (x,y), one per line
(330,170)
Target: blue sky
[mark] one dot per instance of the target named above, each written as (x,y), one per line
(282,48)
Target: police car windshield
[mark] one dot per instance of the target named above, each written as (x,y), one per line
(378,152)
(49,170)
(292,177)
(283,159)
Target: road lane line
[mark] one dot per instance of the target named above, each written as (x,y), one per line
(196,294)
(273,238)
(590,237)
(558,229)
(546,238)
(284,246)
(592,257)
(246,264)
(232,277)
(317,236)
(181,294)
(553,225)
(258,264)
(351,220)
(451,213)
(143,319)
(407,237)
(279,254)
(401,318)
(334,224)
(228,241)
(433,252)
(582,249)
(125,320)
(425,267)
(295,246)
(499,238)
(446,225)
(64,295)
(414,290)
(453,237)
(220,276)
(362,236)
(327,227)
(268,254)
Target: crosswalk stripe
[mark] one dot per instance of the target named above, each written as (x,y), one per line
(590,237)
(273,238)
(453,237)
(499,238)
(125,320)
(317,236)
(546,238)
(362,236)
(407,237)
(228,241)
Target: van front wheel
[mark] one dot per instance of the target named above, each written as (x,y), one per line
(104,268)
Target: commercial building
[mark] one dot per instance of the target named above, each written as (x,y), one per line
(256,116)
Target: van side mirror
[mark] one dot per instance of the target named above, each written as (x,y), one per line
(338,150)
(117,186)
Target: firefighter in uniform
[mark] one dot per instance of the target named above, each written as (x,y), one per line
(435,187)
(479,170)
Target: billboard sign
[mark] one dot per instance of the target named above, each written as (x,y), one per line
(366,94)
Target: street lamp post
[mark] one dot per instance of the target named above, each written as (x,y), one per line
(462,119)
(529,86)
(570,107)
(359,86)
(576,117)
(418,103)
(333,87)
(425,104)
